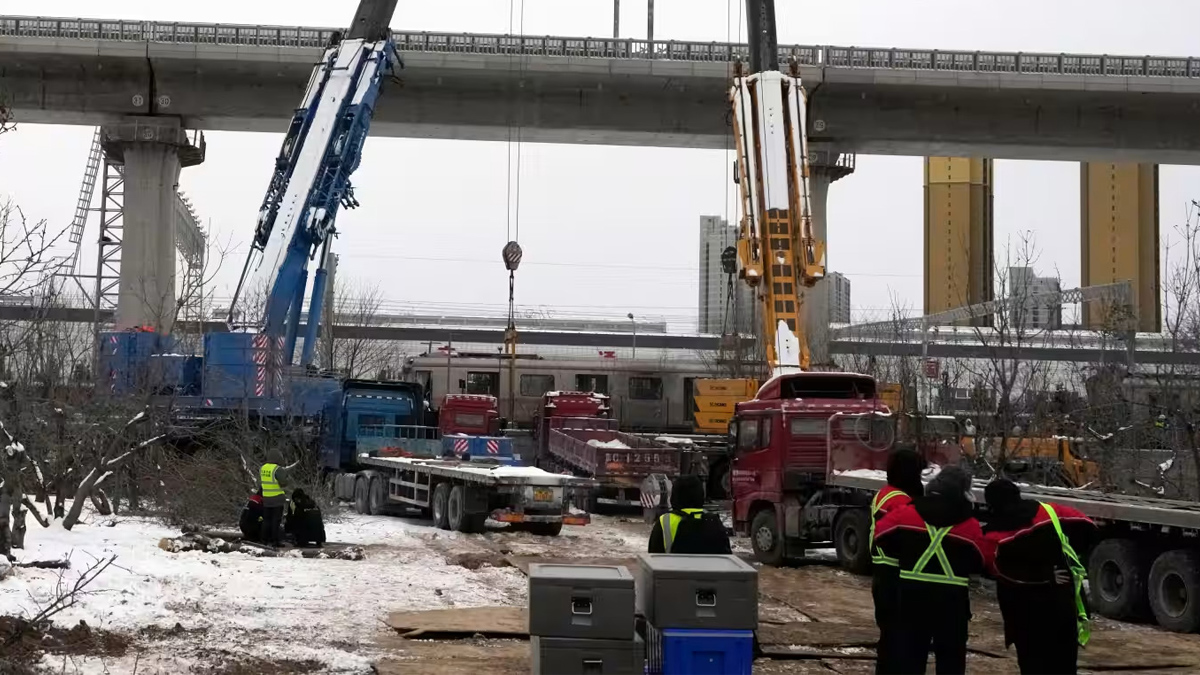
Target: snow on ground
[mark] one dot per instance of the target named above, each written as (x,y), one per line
(295,608)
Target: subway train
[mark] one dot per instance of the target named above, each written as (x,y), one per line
(648,395)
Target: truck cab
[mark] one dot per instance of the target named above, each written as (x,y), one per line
(569,404)
(783,440)
(470,414)
(366,408)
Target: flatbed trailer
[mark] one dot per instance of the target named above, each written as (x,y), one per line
(1145,564)
(460,495)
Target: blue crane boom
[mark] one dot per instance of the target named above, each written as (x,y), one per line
(251,370)
(311,180)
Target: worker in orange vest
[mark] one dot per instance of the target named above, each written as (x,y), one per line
(903,485)
(1040,548)
(939,545)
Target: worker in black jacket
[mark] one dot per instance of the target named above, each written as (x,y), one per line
(938,544)
(903,486)
(686,528)
(304,522)
(1040,549)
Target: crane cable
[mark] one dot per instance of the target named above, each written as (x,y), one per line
(517,50)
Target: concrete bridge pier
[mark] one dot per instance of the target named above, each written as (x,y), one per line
(152,151)
(826,165)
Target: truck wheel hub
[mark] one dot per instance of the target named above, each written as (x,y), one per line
(765,539)
(1174,595)
(1112,581)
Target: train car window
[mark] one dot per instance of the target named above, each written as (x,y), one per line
(536,385)
(596,384)
(487,383)
(646,388)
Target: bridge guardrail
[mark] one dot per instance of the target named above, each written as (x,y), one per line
(666,50)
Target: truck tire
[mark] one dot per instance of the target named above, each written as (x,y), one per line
(1117,578)
(441,503)
(766,539)
(377,495)
(456,512)
(361,500)
(1175,590)
(852,537)
(544,529)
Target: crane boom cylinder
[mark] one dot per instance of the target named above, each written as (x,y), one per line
(315,306)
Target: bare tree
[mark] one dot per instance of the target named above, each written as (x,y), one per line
(354,306)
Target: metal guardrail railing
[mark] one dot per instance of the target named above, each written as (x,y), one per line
(666,50)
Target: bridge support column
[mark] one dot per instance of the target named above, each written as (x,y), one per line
(1118,206)
(151,152)
(826,166)
(958,233)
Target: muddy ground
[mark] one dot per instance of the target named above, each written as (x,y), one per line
(814,617)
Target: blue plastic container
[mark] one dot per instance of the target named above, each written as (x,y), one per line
(689,651)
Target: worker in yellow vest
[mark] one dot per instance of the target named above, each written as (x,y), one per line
(274,499)
(687,528)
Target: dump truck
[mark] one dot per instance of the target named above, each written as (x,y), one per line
(812,451)
(575,434)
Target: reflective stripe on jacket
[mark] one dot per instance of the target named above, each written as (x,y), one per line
(935,550)
(1078,574)
(670,524)
(881,498)
(270,486)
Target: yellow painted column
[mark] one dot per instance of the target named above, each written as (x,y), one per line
(1119,237)
(958,233)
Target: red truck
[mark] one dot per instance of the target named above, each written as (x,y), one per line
(574,432)
(784,437)
(471,414)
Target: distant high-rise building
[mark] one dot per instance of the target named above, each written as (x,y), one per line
(1030,312)
(838,288)
(716,234)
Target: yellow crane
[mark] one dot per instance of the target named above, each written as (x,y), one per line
(780,256)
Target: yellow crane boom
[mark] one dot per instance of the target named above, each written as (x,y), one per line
(780,257)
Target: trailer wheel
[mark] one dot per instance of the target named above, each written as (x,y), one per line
(765,538)
(852,537)
(1175,591)
(441,499)
(456,512)
(1117,576)
(377,495)
(544,529)
(361,500)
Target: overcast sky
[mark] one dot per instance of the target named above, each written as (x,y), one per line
(611,230)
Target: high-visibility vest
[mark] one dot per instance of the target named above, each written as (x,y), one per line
(947,576)
(1078,574)
(670,523)
(877,555)
(270,486)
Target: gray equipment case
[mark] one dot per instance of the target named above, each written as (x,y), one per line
(575,656)
(697,591)
(581,601)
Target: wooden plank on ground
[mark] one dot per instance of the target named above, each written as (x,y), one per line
(468,621)
(813,634)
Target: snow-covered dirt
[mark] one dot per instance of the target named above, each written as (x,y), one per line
(327,611)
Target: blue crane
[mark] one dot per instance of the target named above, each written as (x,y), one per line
(322,148)
(296,223)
